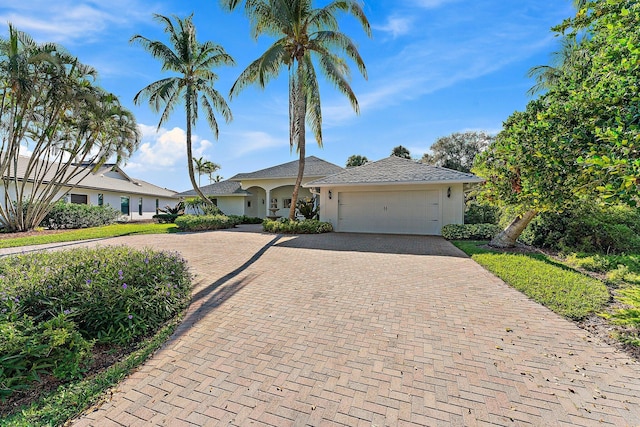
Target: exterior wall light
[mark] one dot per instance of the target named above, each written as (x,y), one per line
(330,195)
(449,192)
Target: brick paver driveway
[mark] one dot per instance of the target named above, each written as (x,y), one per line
(365,330)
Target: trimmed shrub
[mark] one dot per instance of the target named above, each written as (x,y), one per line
(243,219)
(470,231)
(204,222)
(587,228)
(287,226)
(54,306)
(71,215)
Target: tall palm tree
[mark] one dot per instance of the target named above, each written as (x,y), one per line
(302,32)
(193,61)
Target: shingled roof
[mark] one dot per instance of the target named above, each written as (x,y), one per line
(313,167)
(223,188)
(394,170)
(102,179)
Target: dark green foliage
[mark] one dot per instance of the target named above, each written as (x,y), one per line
(586,228)
(204,222)
(287,226)
(29,350)
(71,215)
(307,208)
(178,209)
(243,219)
(481,213)
(356,160)
(111,295)
(165,218)
(470,231)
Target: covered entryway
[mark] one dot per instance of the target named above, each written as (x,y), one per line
(396,212)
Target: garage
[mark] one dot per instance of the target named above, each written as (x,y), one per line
(396,212)
(393,196)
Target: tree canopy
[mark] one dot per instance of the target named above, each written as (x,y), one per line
(458,150)
(51,108)
(581,137)
(401,151)
(356,160)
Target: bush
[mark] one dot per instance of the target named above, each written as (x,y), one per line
(71,215)
(476,213)
(243,219)
(165,218)
(307,208)
(199,207)
(287,226)
(204,222)
(586,228)
(54,306)
(470,231)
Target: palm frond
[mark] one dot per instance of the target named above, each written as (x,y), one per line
(263,69)
(334,70)
(323,41)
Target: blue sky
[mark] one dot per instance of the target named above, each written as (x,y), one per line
(435,67)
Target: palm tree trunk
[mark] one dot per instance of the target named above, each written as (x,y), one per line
(507,237)
(299,120)
(192,176)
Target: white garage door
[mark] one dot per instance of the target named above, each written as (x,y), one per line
(397,212)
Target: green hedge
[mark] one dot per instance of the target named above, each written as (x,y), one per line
(72,215)
(243,219)
(204,222)
(470,231)
(166,218)
(55,306)
(287,226)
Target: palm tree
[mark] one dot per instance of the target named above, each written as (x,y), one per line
(193,61)
(302,32)
(356,160)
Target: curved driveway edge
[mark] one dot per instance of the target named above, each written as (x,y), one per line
(365,330)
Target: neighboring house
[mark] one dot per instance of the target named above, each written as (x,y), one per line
(393,195)
(109,185)
(266,192)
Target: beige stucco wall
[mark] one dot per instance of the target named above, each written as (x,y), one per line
(451,208)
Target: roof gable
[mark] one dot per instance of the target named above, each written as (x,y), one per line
(313,167)
(394,170)
(222,188)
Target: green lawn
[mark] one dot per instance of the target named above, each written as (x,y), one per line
(558,287)
(113,230)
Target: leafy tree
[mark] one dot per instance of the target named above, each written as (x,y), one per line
(401,151)
(50,105)
(194,86)
(458,150)
(582,137)
(356,160)
(302,34)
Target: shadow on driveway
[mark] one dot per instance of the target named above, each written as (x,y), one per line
(377,243)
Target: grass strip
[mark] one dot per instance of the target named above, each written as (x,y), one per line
(559,288)
(71,400)
(113,230)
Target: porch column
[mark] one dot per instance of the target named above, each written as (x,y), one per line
(267,203)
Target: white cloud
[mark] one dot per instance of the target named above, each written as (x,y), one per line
(165,149)
(396,26)
(66,21)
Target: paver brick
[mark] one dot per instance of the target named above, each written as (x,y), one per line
(364,329)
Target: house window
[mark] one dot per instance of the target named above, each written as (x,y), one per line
(157,206)
(140,206)
(79,199)
(124,205)
(286,203)
(100,199)
(248,203)
(215,201)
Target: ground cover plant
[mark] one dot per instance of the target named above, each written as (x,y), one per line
(563,290)
(12,240)
(54,307)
